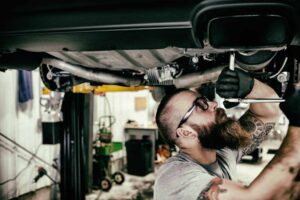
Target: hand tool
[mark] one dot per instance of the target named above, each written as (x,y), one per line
(248,100)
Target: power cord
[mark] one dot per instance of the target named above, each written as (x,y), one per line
(33,155)
(21,171)
(41,170)
(108,104)
(26,150)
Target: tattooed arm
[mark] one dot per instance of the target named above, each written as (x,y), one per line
(261,117)
(279,180)
(257,128)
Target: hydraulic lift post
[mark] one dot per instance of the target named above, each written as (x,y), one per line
(75,146)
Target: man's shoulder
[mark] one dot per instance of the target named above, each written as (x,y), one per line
(174,162)
(180,178)
(179,165)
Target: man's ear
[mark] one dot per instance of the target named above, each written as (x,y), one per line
(185,132)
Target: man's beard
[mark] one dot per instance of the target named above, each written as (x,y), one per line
(224,132)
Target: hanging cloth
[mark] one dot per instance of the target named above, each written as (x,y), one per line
(24,86)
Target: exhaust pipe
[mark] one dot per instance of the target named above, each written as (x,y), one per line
(185,81)
(198,78)
(93,75)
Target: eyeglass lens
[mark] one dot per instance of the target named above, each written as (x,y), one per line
(202,103)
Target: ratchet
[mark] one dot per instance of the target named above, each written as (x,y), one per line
(255,100)
(250,100)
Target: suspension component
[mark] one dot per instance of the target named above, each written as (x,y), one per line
(283,78)
(162,75)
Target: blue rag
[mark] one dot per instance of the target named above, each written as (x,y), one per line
(25,85)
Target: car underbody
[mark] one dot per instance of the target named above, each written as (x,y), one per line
(156,43)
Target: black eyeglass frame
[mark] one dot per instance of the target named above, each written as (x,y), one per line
(192,108)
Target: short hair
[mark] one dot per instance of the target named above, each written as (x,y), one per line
(164,124)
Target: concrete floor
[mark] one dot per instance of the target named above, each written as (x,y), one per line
(246,172)
(134,188)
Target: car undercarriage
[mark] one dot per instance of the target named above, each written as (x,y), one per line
(157,43)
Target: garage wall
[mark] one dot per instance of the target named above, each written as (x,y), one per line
(122,105)
(21,122)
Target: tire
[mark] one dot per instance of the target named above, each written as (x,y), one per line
(105,184)
(118,177)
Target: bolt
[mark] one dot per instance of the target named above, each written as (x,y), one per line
(195,59)
(49,76)
(283,77)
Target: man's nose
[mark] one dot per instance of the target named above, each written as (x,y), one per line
(212,106)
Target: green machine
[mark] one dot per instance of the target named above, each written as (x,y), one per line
(103,177)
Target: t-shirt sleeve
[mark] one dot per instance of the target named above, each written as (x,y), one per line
(228,160)
(182,181)
(230,154)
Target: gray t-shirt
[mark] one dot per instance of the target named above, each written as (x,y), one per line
(181,177)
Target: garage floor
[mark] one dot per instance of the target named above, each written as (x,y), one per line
(134,187)
(141,188)
(248,171)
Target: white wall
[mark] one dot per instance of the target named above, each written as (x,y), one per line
(20,122)
(123,108)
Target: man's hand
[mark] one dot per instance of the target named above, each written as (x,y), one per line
(291,107)
(234,84)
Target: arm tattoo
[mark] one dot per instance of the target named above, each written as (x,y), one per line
(257,128)
(212,190)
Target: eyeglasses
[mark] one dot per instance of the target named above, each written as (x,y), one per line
(201,102)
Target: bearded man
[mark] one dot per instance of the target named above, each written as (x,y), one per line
(210,144)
